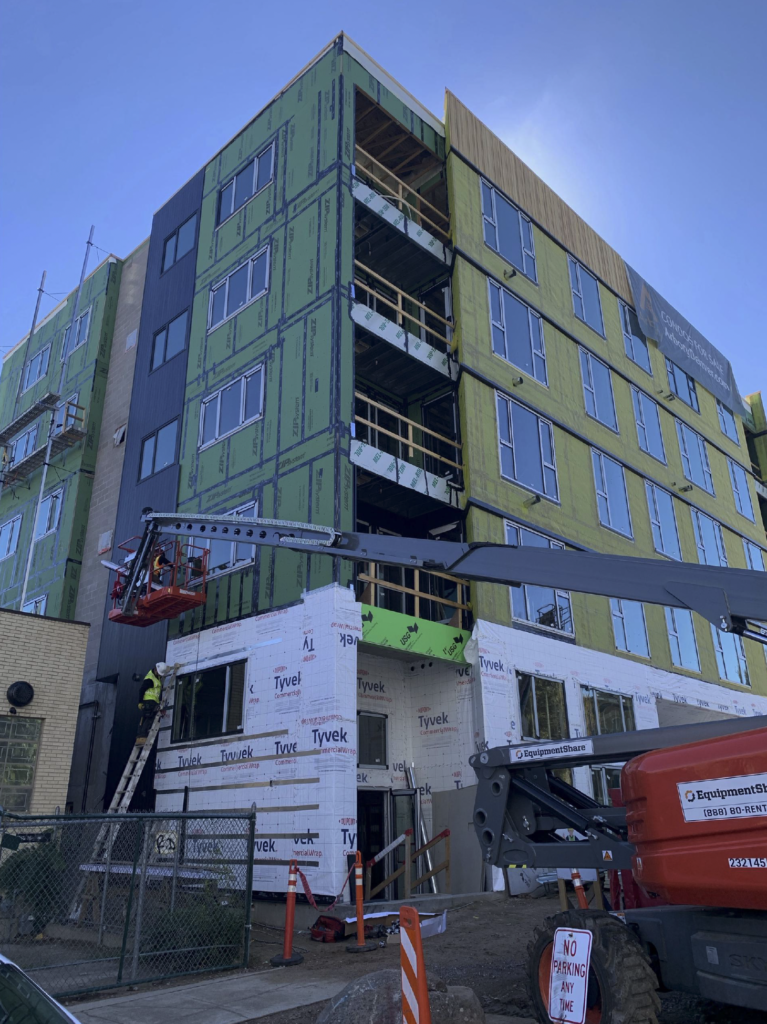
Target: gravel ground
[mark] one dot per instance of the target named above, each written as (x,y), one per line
(484,947)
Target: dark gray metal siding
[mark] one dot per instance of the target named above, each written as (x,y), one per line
(157,398)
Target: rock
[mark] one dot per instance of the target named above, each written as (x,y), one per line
(377,999)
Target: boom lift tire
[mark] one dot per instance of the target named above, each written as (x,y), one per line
(622,984)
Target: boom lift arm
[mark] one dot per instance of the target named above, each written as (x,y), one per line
(734,600)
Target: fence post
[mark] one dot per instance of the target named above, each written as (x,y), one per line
(126,929)
(249,883)
(107,872)
(140,907)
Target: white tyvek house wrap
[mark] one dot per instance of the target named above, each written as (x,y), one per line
(429,706)
(296,756)
(497,653)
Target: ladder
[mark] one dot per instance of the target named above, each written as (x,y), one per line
(129,779)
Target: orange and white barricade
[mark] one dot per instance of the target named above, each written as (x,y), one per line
(415,995)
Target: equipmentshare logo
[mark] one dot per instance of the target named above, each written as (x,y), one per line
(740,796)
(538,751)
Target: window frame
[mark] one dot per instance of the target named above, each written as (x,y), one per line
(66,354)
(175,234)
(684,453)
(59,495)
(617,611)
(748,547)
(638,398)
(34,429)
(232,180)
(45,350)
(243,378)
(13,535)
(740,654)
(671,614)
(154,434)
(43,599)
(530,253)
(585,358)
(224,283)
(594,690)
(700,545)
(364,713)
(531,317)
(164,329)
(535,676)
(557,591)
(596,454)
(723,412)
(628,338)
(671,371)
(572,261)
(737,497)
(542,421)
(234,565)
(174,738)
(653,512)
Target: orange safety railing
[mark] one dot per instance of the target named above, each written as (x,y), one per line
(405,869)
(173,582)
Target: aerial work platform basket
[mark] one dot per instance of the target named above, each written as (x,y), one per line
(174,582)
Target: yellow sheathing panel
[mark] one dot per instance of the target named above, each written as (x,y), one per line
(474,140)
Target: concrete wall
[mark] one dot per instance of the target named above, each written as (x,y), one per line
(49,654)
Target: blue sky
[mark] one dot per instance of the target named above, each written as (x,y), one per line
(648,118)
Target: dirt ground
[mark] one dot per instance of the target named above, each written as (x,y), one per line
(484,947)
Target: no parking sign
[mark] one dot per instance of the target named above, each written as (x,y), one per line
(568,982)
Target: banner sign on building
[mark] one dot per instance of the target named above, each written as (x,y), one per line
(678,339)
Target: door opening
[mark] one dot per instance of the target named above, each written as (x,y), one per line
(371,831)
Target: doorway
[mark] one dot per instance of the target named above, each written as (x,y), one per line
(371,831)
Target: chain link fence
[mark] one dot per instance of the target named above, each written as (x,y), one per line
(97,901)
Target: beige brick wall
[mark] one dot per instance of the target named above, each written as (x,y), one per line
(49,654)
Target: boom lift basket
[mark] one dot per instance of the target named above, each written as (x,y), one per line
(175,582)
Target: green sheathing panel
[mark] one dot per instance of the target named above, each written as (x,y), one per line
(575,516)
(294,460)
(412,635)
(57,557)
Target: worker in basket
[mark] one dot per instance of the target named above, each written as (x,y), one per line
(159,564)
(151,694)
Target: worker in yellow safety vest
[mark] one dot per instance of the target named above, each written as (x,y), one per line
(151,694)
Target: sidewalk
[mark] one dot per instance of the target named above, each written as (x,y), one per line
(225,1000)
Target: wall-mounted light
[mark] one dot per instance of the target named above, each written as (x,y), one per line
(685,488)
(508,274)
(516,381)
(532,500)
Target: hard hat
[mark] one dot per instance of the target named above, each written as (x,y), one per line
(163,668)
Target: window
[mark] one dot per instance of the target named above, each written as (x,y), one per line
(727,422)
(180,243)
(634,340)
(19,745)
(209,703)
(371,740)
(708,539)
(517,333)
(49,514)
(665,535)
(629,626)
(81,335)
(612,499)
(603,779)
(682,385)
(607,712)
(508,231)
(543,708)
(647,418)
(754,555)
(36,606)
(245,284)
(542,606)
(158,450)
(232,407)
(9,537)
(681,638)
(740,491)
(585,289)
(694,453)
(37,367)
(246,184)
(170,340)
(598,390)
(730,656)
(527,448)
(23,445)
(227,554)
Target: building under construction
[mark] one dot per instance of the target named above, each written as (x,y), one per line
(362,315)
